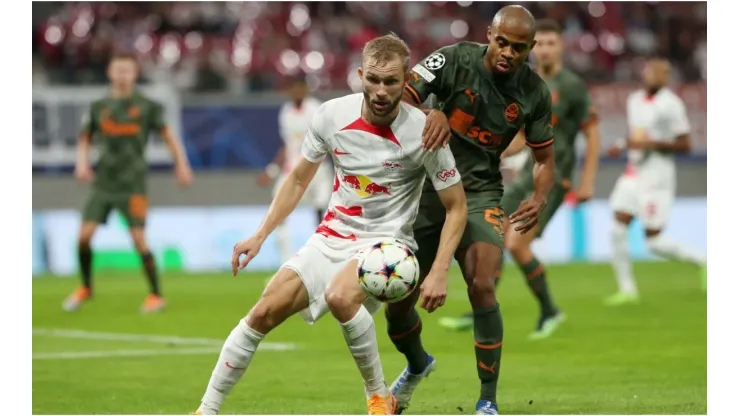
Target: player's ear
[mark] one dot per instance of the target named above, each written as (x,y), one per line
(488,34)
(534,42)
(359,72)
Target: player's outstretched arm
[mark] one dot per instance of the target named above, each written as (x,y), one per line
(287,198)
(591,162)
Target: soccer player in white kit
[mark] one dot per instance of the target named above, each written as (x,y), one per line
(293,122)
(375,143)
(658,129)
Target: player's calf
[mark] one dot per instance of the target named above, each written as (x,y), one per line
(284,296)
(345,298)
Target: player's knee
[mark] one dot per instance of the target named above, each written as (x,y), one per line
(337,300)
(481,287)
(653,242)
(262,317)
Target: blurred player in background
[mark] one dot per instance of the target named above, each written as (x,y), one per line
(488,95)
(293,122)
(374,141)
(122,122)
(658,129)
(572,113)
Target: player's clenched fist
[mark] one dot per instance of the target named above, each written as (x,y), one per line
(434,291)
(436,130)
(528,215)
(249,248)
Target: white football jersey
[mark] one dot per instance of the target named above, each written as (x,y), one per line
(380,172)
(661,117)
(293,122)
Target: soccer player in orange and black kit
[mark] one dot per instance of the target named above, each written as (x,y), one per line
(121,122)
(487,95)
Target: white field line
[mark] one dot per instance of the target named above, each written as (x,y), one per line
(122,353)
(210,345)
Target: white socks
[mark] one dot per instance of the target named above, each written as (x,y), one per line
(621,259)
(235,357)
(673,250)
(360,335)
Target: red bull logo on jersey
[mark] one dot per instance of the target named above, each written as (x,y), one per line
(391,166)
(364,186)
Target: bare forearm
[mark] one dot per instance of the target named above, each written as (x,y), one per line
(175,147)
(285,202)
(591,161)
(449,239)
(83,150)
(544,178)
(674,147)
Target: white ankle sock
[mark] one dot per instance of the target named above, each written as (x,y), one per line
(360,335)
(621,259)
(674,250)
(235,357)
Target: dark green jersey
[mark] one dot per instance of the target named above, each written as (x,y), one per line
(572,110)
(484,113)
(122,128)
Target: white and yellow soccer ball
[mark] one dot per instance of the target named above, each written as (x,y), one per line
(388,271)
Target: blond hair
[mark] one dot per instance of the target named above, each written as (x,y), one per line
(385,48)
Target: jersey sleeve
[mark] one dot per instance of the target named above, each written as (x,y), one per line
(433,75)
(440,167)
(157,117)
(585,111)
(538,128)
(315,146)
(679,119)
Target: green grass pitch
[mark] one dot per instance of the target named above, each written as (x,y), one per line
(649,358)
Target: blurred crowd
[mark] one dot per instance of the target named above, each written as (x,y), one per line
(257,46)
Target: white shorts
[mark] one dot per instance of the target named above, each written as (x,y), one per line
(641,199)
(317,265)
(319,190)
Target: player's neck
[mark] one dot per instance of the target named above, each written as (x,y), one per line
(298,103)
(121,92)
(652,91)
(550,71)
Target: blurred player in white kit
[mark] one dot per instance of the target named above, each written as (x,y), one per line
(658,129)
(293,122)
(375,142)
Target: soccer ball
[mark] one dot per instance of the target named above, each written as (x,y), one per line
(388,271)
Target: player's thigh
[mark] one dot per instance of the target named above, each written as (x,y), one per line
(655,207)
(316,271)
(97,208)
(624,196)
(485,225)
(134,208)
(284,296)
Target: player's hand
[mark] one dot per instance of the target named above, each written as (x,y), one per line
(184,174)
(434,290)
(584,193)
(263,179)
(84,173)
(436,131)
(249,248)
(527,216)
